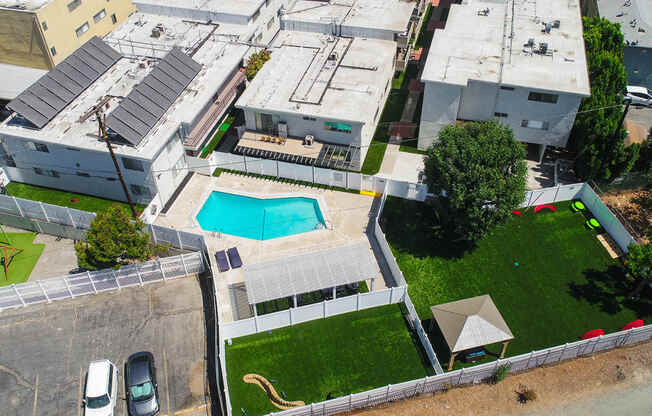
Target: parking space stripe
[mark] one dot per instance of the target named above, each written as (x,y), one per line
(165,371)
(35,396)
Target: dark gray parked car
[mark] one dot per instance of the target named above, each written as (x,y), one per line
(142,390)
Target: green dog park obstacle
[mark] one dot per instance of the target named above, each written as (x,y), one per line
(577,206)
(592,224)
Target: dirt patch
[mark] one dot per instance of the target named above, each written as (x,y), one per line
(634,205)
(554,387)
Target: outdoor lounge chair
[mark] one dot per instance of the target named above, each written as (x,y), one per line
(234,257)
(222,262)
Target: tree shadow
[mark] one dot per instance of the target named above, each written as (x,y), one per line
(610,289)
(416,228)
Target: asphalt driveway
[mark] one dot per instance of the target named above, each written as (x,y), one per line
(45,349)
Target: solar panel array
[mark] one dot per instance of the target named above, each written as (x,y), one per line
(305,273)
(151,98)
(44,99)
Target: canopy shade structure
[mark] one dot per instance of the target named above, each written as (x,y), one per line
(305,273)
(54,91)
(471,323)
(139,112)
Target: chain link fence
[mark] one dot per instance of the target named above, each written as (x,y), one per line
(477,374)
(87,283)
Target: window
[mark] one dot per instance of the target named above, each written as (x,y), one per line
(73,5)
(543,97)
(139,190)
(507,88)
(52,173)
(99,16)
(339,127)
(270,23)
(111,179)
(39,147)
(38,171)
(500,114)
(535,124)
(53,51)
(133,164)
(114,19)
(82,29)
(44,26)
(83,174)
(309,118)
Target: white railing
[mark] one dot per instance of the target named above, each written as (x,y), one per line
(94,282)
(471,375)
(309,174)
(311,312)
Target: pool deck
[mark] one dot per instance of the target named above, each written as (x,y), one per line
(346,214)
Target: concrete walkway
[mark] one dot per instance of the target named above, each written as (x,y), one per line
(401,166)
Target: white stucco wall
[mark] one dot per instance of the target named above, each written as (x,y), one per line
(440,107)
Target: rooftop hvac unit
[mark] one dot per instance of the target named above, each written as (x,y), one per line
(332,56)
(530,43)
(556,24)
(543,48)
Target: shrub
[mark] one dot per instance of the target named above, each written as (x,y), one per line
(501,372)
(255,62)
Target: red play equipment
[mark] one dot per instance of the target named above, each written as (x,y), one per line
(593,333)
(517,213)
(540,207)
(634,324)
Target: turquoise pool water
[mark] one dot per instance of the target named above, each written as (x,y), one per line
(259,219)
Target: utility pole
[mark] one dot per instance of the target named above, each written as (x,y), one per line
(101,121)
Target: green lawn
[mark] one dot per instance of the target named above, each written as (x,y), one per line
(337,356)
(63,198)
(22,264)
(217,137)
(565,283)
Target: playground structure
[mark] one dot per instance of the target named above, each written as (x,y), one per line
(6,259)
(273,396)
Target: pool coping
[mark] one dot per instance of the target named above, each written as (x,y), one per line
(321,202)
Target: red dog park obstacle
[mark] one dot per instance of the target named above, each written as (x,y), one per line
(540,207)
(593,333)
(634,324)
(517,213)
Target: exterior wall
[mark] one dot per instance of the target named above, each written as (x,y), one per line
(191,14)
(21,41)
(169,168)
(638,63)
(336,29)
(440,106)
(67,161)
(63,37)
(480,101)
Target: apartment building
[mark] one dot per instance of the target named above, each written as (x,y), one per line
(36,35)
(521,62)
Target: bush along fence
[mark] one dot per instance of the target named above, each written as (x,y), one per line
(88,283)
(471,375)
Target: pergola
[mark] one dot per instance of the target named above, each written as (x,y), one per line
(471,323)
(296,275)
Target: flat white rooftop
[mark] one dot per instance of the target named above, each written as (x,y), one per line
(26,5)
(635,19)
(391,15)
(300,79)
(217,56)
(237,7)
(490,41)
(21,77)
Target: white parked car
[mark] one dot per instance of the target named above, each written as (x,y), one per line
(101,388)
(639,96)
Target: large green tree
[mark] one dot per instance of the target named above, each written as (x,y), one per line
(113,240)
(479,170)
(596,136)
(639,266)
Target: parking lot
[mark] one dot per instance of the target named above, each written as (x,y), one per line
(46,349)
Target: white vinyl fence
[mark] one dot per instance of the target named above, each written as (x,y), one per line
(476,374)
(311,312)
(87,283)
(310,174)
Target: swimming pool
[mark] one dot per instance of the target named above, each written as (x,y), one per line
(259,219)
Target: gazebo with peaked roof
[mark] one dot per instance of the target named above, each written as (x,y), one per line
(471,323)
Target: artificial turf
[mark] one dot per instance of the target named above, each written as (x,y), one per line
(564,285)
(324,358)
(22,264)
(64,198)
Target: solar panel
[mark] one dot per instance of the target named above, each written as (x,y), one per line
(139,111)
(54,91)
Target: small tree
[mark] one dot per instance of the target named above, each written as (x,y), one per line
(112,241)
(479,169)
(255,62)
(639,266)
